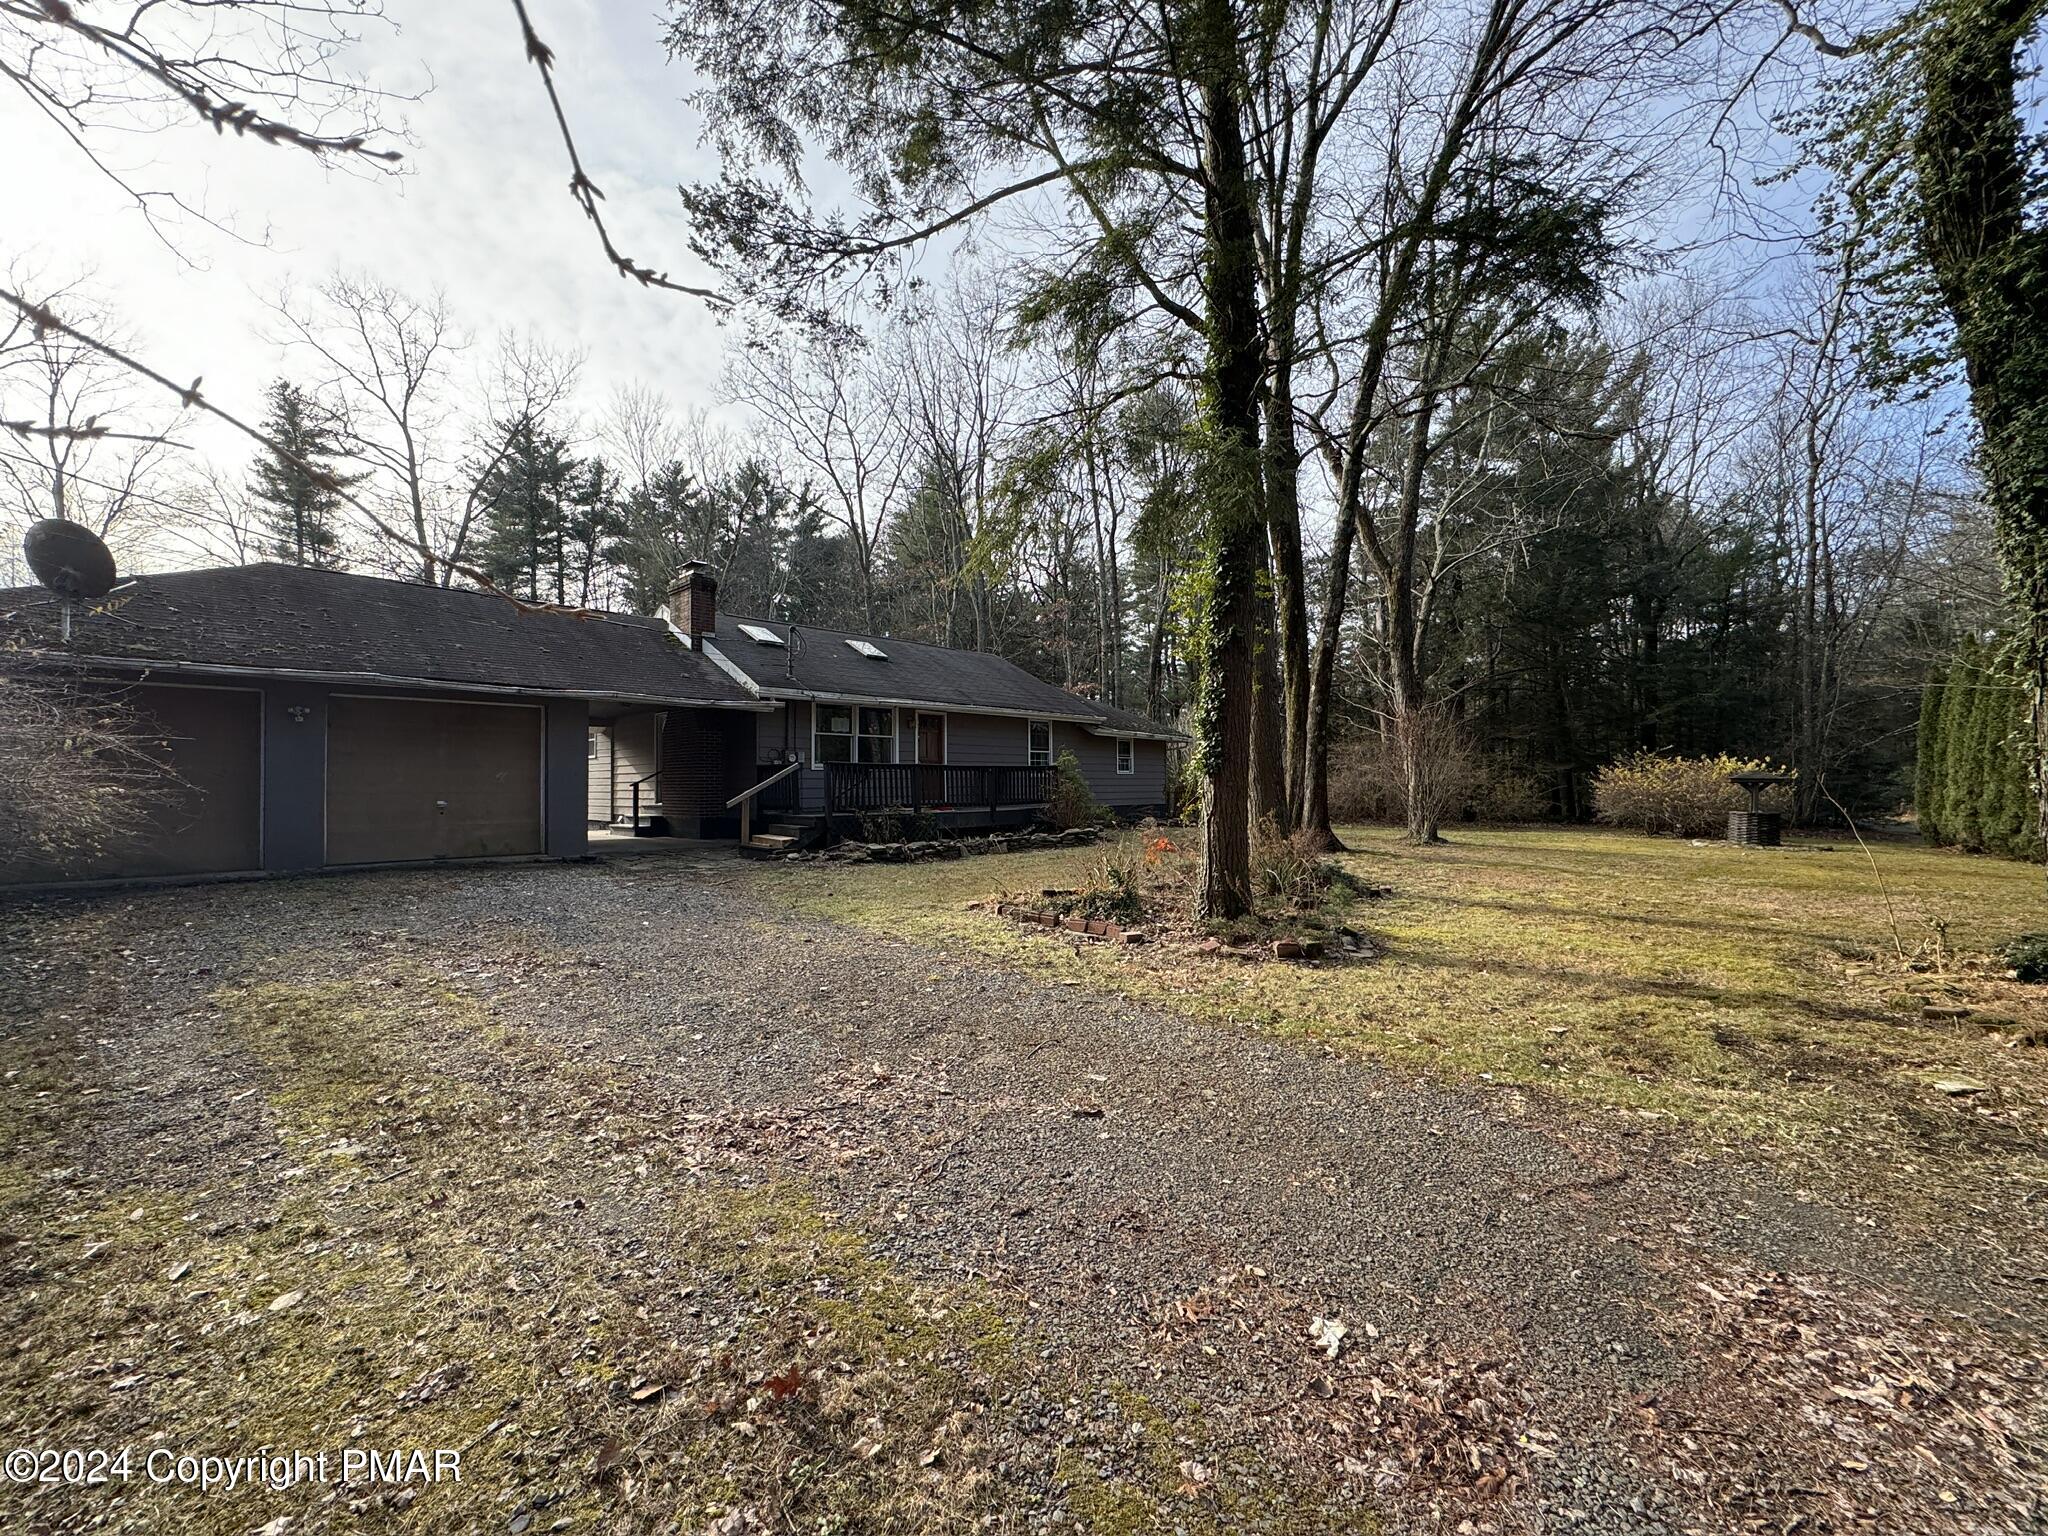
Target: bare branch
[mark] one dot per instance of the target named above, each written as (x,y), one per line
(582,188)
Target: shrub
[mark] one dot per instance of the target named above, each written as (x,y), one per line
(1503,793)
(900,827)
(1971,785)
(1111,892)
(1073,803)
(82,770)
(1367,783)
(1288,866)
(1676,796)
(1362,785)
(2027,956)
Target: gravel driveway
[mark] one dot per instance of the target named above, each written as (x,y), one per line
(1449,1304)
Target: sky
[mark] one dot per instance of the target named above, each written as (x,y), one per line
(481,211)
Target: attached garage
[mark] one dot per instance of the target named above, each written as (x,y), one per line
(432,778)
(213,741)
(318,719)
(210,820)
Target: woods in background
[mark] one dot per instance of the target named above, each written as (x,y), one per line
(1316,375)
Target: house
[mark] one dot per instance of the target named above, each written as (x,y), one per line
(317,719)
(861,725)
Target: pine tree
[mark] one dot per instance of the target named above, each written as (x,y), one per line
(525,546)
(296,482)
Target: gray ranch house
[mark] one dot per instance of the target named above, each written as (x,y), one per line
(317,719)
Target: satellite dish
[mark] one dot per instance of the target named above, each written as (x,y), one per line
(69,559)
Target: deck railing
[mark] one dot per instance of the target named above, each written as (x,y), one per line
(919,787)
(785,793)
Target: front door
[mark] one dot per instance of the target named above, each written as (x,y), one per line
(931,757)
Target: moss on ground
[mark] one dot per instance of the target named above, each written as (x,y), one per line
(1754,995)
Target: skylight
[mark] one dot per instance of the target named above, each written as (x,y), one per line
(760,634)
(867,648)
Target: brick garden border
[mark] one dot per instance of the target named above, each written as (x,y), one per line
(1087,927)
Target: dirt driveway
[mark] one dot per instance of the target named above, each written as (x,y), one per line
(674,1212)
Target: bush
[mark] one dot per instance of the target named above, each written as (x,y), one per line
(1677,796)
(1971,784)
(1288,866)
(2027,956)
(900,827)
(1073,803)
(82,770)
(1111,893)
(1503,793)
(1367,779)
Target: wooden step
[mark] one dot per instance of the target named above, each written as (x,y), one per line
(772,842)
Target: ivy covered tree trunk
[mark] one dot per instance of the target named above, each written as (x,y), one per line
(1236,539)
(1991,265)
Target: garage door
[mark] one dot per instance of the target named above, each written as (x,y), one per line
(206,816)
(426,779)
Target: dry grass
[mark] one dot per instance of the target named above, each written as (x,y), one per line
(1752,995)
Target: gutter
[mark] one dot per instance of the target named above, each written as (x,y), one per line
(931,705)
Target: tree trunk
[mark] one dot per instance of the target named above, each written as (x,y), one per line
(1315,777)
(1282,474)
(1269,725)
(1991,265)
(1236,526)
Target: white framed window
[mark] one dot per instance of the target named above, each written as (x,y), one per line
(593,746)
(877,735)
(844,733)
(831,733)
(1126,755)
(1038,743)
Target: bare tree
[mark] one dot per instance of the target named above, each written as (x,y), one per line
(383,363)
(264,70)
(841,413)
(61,452)
(81,771)
(960,385)
(214,518)
(638,430)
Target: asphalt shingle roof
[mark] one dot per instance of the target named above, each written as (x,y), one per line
(285,618)
(908,672)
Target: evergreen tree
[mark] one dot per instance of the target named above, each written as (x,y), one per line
(526,537)
(296,484)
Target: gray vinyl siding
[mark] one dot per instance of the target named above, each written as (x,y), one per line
(597,794)
(1141,789)
(633,747)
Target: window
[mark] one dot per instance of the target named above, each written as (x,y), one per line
(831,733)
(843,734)
(593,746)
(1038,743)
(1126,755)
(877,735)
(760,634)
(868,648)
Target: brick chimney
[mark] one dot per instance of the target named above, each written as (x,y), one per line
(693,601)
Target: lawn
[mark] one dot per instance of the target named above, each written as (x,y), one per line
(1753,996)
